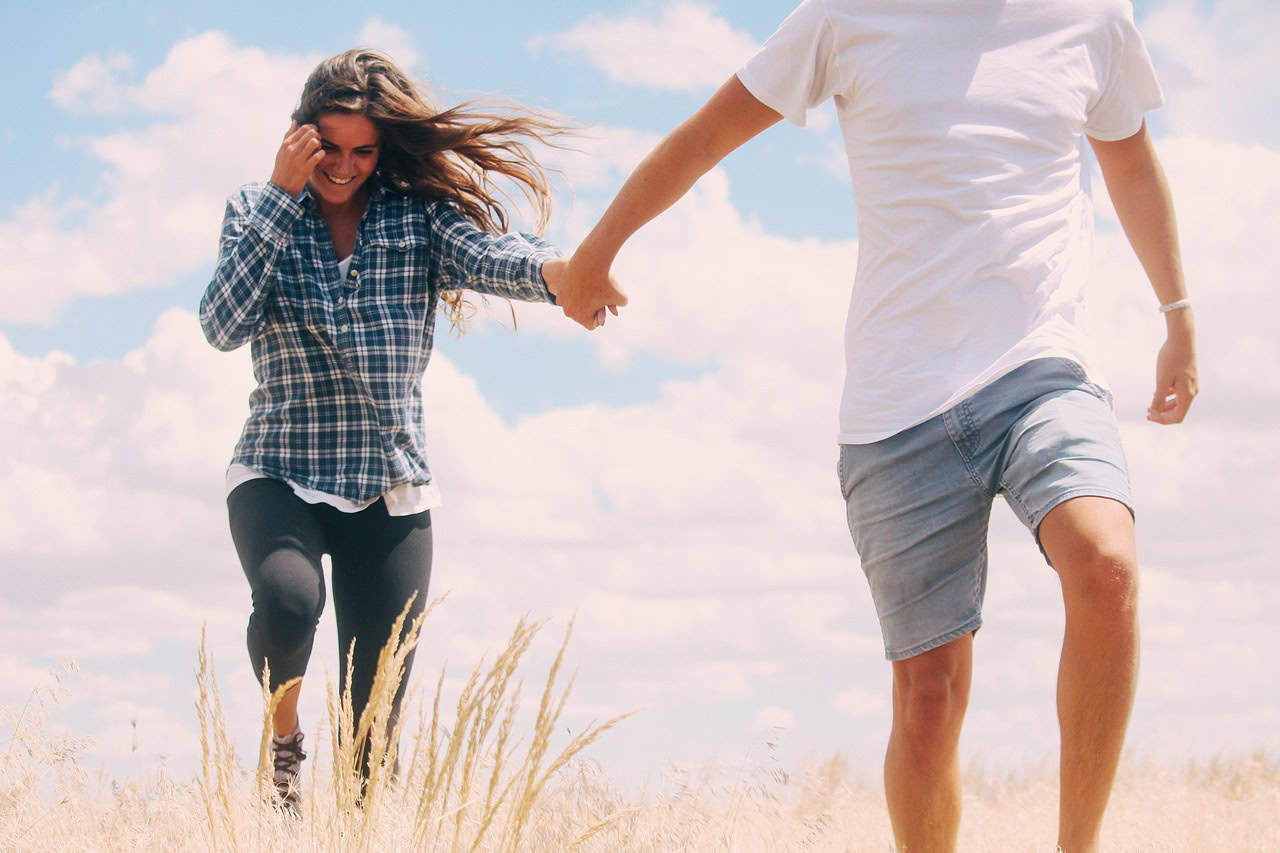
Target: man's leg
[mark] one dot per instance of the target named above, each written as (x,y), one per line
(919,520)
(1090,542)
(921,768)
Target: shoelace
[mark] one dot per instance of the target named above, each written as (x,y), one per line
(288,755)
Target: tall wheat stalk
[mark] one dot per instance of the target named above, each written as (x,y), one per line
(217,757)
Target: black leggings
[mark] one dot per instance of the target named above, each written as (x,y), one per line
(379,560)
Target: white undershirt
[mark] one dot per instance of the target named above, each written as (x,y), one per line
(404,499)
(344,267)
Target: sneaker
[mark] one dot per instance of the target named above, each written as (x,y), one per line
(287,756)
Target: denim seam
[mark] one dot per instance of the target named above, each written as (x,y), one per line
(1013,497)
(975,591)
(1088,384)
(845,495)
(958,445)
(966,412)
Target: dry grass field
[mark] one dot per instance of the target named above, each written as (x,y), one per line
(470,781)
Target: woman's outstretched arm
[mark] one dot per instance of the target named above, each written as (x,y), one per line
(470,258)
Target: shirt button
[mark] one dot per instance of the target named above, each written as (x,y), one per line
(342,300)
(403,244)
(355,273)
(343,327)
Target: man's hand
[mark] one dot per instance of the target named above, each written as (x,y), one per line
(1176,380)
(584,290)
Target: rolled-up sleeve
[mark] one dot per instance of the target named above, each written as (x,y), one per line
(255,232)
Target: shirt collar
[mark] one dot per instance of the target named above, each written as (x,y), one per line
(308,201)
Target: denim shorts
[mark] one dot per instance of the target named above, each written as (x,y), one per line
(919,502)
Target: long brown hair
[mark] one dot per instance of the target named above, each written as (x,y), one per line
(452,154)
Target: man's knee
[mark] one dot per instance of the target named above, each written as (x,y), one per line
(931,691)
(1090,543)
(1102,574)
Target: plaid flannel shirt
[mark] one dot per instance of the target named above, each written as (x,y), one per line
(339,363)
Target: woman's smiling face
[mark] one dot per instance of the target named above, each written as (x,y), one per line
(350,144)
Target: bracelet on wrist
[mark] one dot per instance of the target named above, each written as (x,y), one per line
(1175,305)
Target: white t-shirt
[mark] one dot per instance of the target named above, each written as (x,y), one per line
(404,499)
(964,126)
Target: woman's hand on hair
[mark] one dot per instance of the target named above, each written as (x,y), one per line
(299,154)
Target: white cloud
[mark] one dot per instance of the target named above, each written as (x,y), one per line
(859,703)
(833,161)
(92,84)
(687,46)
(156,426)
(771,718)
(394,41)
(1217,61)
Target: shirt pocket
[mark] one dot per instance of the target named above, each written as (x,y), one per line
(395,272)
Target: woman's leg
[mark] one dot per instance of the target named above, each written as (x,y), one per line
(379,561)
(280,543)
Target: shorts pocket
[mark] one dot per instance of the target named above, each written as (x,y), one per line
(1089,385)
(1102,394)
(844,470)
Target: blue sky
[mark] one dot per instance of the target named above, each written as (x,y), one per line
(669,479)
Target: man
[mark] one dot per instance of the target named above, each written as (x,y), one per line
(969,372)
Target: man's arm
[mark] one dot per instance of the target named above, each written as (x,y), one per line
(731,117)
(1140,194)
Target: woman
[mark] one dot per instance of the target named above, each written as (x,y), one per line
(379,210)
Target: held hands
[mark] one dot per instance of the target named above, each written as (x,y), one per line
(1176,379)
(553,274)
(584,289)
(299,154)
